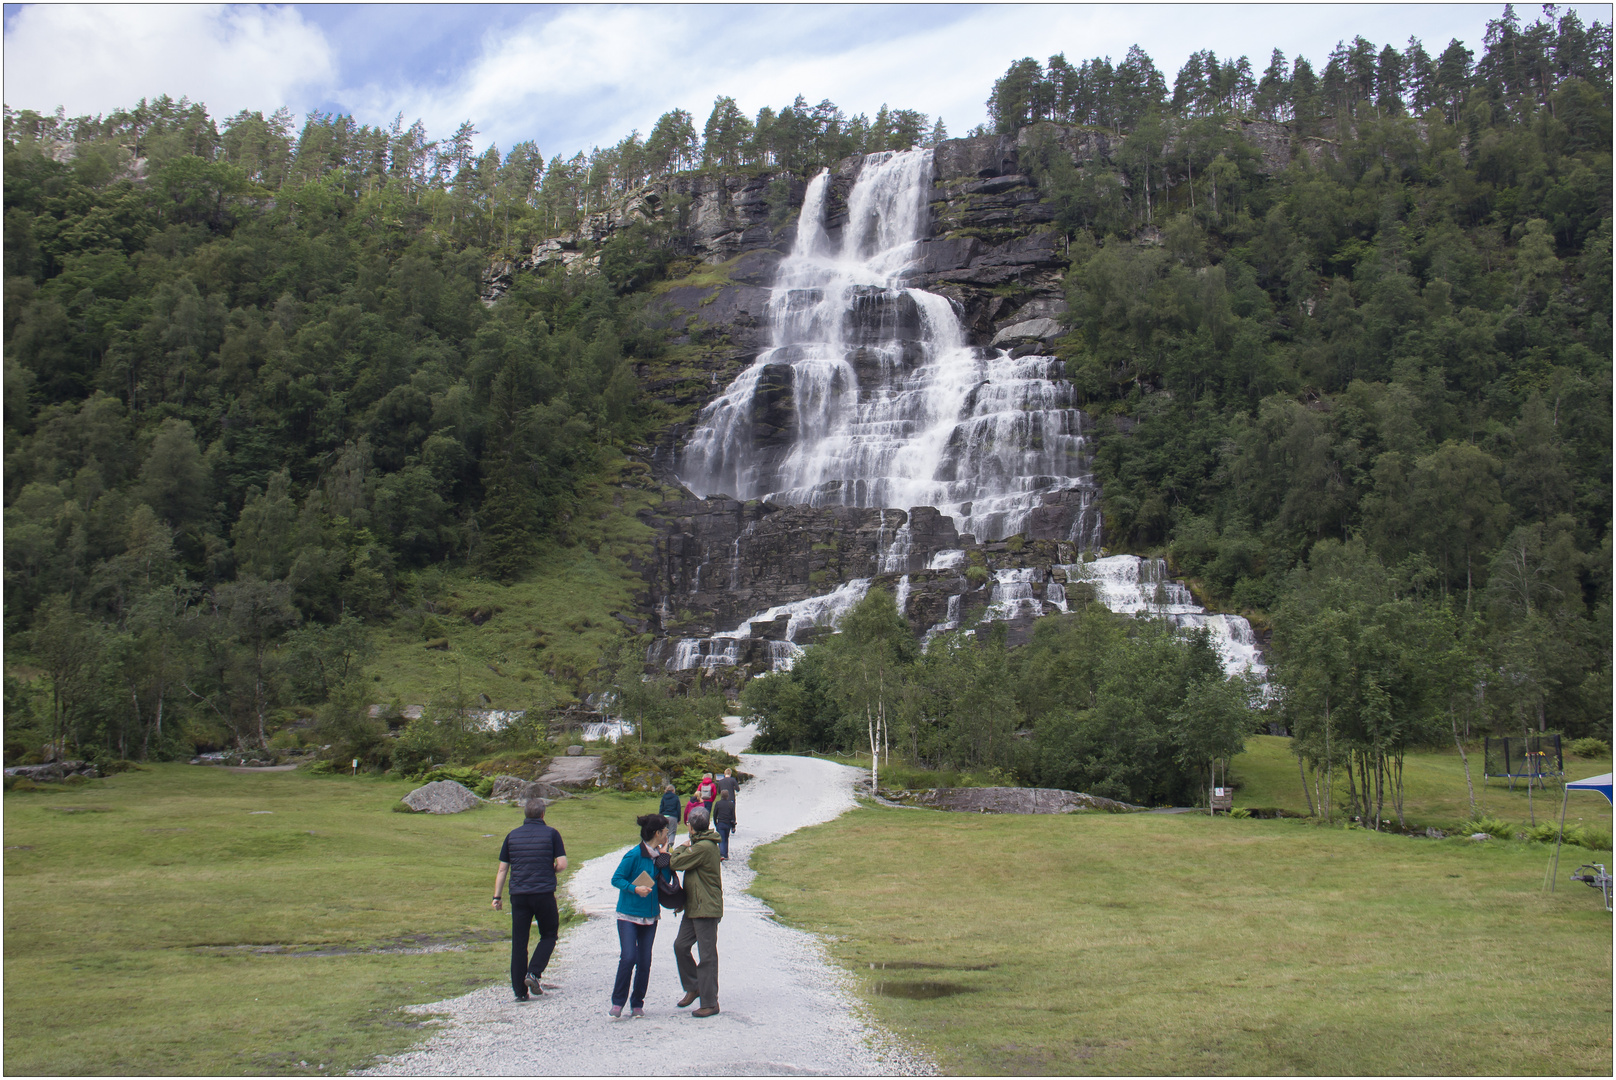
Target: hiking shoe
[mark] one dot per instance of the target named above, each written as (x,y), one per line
(533,986)
(615,1010)
(706,1010)
(686,1001)
(523,1000)
(637,1014)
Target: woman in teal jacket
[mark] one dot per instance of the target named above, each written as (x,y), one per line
(638,911)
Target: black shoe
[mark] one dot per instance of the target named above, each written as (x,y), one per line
(523,1000)
(533,986)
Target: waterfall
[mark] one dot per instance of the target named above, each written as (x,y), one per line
(1130,585)
(725,649)
(880,400)
(1012,595)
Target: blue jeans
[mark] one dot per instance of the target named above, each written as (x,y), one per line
(723,840)
(635,941)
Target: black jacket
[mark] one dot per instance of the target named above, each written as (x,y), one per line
(532,850)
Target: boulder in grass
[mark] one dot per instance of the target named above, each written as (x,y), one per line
(441,797)
(513,789)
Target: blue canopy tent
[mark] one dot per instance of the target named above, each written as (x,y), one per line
(1601,880)
(1600,784)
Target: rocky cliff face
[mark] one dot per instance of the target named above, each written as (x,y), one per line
(743,570)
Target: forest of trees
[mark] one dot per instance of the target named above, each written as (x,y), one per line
(252,393)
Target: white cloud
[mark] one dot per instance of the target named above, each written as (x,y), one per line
(95,59)
(581,76)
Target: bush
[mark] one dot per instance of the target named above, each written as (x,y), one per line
(1588,836)
(640,765)
(1589,748)
(1494,827)
(1240,812)
(480,785)
(417,746)
(522,764)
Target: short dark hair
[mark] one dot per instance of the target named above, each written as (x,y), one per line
(534,809)
(650,825)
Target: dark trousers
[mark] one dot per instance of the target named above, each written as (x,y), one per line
(635,960)
(702,977)
(525,907)
(723,839)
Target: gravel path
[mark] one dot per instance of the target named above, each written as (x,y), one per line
(786,1009)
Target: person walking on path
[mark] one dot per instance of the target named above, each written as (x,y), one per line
(670,809)
(691,807)
(638,910)
(698,860)
(724,822)
(706,790)
(728,783)
(531,857)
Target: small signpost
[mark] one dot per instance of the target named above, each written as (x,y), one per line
(1222,799)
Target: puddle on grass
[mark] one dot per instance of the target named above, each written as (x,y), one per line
(922,991)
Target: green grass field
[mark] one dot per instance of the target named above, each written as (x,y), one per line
(1266,776)
(160,922)
(1177,944)
(136,909)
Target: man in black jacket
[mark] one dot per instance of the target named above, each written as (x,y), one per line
(531,857)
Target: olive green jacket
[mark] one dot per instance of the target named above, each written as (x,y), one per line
(704,883)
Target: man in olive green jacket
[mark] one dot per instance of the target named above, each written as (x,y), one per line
(704,905)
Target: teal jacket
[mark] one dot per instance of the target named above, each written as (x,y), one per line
(630,902)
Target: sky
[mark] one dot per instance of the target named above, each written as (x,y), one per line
(571,77)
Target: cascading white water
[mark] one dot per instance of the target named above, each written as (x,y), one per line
(1012,595)
(889,406)
(724,649)
(1130,585)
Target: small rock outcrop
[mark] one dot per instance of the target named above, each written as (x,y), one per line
(441,797)
(1008,800)
(513,789)
(572,772)
(55,770)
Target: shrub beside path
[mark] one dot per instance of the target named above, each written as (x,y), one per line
(786,1010)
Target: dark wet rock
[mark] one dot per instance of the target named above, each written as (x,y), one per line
(513,789)
(1009,800)
(55,770)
